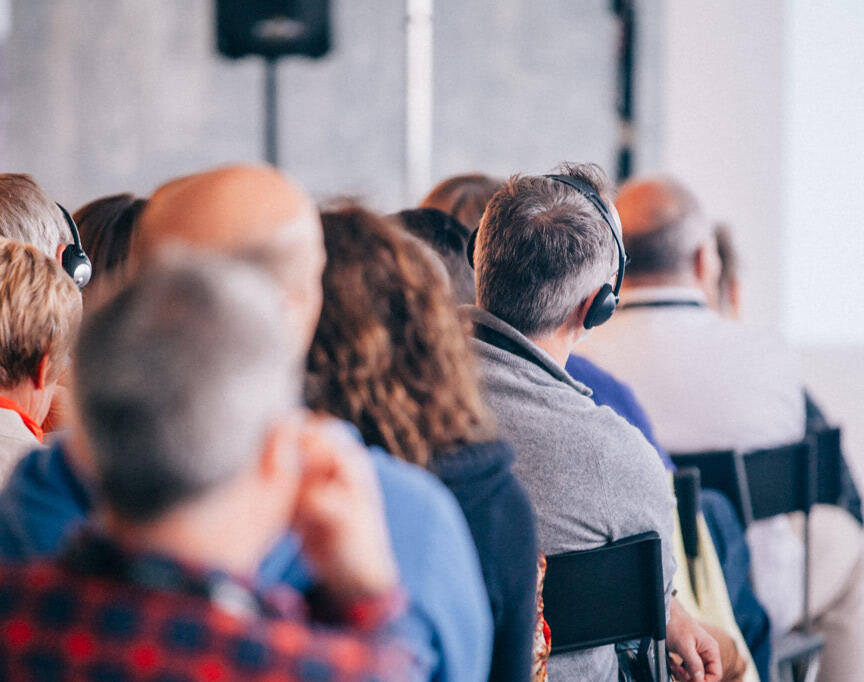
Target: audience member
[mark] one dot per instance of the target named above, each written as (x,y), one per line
(463,196)
(543,252)
(449,238)
(28,215)
(727,534)
(390,356)
(40,308)
(256,212)
(106,226)
(709,383)
(198,472)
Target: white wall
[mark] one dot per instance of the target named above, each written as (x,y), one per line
(721,133)
(823,197)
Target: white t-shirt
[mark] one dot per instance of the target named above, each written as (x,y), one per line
(16,440)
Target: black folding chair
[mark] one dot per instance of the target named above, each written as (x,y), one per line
(763,484)
(608,595)
(829,467)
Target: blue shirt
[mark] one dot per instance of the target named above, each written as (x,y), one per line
(448,623)
(618,397)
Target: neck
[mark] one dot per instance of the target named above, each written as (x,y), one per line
(558,344)
(26,398)
(205,532)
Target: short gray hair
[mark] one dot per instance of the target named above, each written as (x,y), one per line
(180,377)
(542,249)
(28,215)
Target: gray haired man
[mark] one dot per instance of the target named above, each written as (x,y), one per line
(544,252)
(188,394)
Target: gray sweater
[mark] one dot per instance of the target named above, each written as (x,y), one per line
(591,476)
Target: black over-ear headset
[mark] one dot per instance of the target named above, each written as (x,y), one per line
(75,262)
(606,300)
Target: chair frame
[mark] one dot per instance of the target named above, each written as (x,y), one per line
(808,473)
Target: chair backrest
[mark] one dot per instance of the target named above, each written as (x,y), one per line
(765,483)
(829,466)
(762,483)
(781,480)
(720,470)
(605,595)
(687,492)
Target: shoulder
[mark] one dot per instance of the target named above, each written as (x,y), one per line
(607,389)
(406,483)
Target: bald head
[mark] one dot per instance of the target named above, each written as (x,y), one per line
(228,210)
(241,211)
(663,227)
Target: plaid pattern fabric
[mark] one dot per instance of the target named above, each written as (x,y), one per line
(58,622)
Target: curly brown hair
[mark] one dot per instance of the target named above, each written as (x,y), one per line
(390,353)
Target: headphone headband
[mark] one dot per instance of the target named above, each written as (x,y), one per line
(610,217)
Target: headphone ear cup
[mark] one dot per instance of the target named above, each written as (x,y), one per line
(77,265)
(469,248)
(602,307)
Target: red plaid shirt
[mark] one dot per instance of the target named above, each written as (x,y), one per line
(102,614)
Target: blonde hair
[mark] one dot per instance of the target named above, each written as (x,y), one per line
(28,215)
(40,310)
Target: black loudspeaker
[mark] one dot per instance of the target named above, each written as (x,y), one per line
(273,28)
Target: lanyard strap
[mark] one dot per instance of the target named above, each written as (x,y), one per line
(662,304)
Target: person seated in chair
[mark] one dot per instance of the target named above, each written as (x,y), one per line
(198,472)
(711,383)
(40,308)
(546,250)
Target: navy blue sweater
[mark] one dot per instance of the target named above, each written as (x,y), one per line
(501,520)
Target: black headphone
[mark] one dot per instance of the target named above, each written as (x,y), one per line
(606,300)
(75,262)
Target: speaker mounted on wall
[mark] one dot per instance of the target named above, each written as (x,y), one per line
(273,28)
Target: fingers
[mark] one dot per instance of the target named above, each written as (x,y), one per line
(692,662)
(709,653)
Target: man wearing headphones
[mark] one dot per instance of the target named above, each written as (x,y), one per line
(549,263)
(28,215)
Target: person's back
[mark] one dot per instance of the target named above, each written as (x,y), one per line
(169,627)
(700,376)
(257,212)
(711,383)
(543,253)
(197,474)
(390,356)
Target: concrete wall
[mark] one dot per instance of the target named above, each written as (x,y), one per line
(102,96)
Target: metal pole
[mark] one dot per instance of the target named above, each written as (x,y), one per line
(271,110)
(626,14)
(418,98)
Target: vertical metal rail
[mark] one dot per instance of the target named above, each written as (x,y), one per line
(271,110)
(625,12)
(418,98)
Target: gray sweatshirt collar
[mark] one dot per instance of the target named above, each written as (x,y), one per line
(538,356)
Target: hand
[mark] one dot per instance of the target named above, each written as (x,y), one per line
(734,664)
(339,514)
(698,651)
